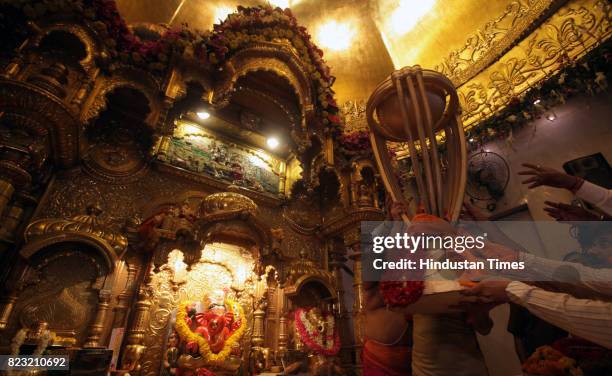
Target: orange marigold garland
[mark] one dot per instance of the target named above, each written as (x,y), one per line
(185,333)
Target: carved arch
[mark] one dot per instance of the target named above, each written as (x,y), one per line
(92,48)
(21,97)
(129,78)
(101,246)
(271,57)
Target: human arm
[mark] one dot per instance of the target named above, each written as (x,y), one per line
(587,318)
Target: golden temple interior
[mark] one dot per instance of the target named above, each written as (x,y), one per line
(183,182)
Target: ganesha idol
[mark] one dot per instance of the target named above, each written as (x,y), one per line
(209,335)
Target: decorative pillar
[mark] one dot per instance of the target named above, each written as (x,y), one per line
(7,304)
(125,296)
(96,328)
(283,336)
(258,338)
(338,259)
(358,310)
(135,336)
(12,220)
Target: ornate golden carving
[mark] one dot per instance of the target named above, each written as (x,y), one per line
(22,97)
(215,270)
(85,36)
(227,201)
(354,113)
(87,226)
(97,326)
(486,45)
(131,78)
(564,37)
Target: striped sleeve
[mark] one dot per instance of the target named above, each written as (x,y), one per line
(589,319)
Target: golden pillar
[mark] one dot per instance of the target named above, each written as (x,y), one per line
(12,220)
(6,193)
(130,360)
(6,308)
(358,311)
(337,256)
(258,338)
(96,328)
(283,336)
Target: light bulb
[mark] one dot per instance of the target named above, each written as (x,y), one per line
(272,142)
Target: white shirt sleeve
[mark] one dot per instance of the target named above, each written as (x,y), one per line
(586,318)
(543,269)
(597,196)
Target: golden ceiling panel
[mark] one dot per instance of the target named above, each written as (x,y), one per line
(470,41)
(563,38)
(487,44)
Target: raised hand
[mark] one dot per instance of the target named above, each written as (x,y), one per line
(547,176)
(569,213)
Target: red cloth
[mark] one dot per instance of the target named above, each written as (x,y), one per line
(381,360)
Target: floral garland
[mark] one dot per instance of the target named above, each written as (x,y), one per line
(318,342)
(401,293)
(589,75)
(185,333)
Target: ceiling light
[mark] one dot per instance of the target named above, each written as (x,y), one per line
(408,13)
(272,142)
(335,36)
(222,12)
(471,140)
(537,101)
(280,3)
(203,115)
(551,116)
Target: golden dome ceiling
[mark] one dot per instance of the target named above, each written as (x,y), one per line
(382,34)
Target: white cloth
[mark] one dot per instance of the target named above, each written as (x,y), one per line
(597,196)
(445,345)
(586,318)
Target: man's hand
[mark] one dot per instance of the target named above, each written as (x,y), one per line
(547,176)
(569,213)
(486,292)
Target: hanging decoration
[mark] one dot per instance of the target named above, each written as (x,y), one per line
(317,331)
(587,76)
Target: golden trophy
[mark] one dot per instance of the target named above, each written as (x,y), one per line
(415,106)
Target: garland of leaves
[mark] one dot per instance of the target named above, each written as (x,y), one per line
(185,333)
(247,25)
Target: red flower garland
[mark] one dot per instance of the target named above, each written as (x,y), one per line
(309,341)
(401,293)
